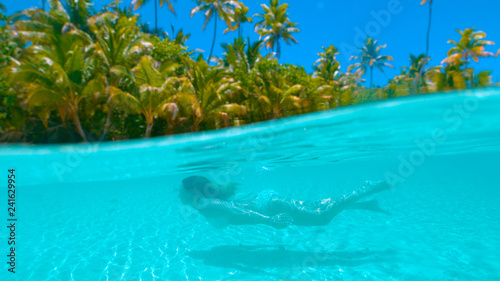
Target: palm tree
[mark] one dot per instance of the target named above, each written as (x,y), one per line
(240,59)
(449,77)
(370,58)
(207,99)
(253,54)
(416,65)
(233,52)
(179,37)
(117,44)
(428,29)
(117,41)
(177,88)
(75,12)
(238,17)
(78,11)
(276,94)
(327,66)
(416,70)
(148,95)
(139,3)
(456,74)
(57,70)
(400,85)
(426,58)
(275,25)
(217,9)
(350,86)
(471,45)
(326,73)
(275,99)
(237,58)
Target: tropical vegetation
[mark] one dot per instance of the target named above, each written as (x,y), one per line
(69,73)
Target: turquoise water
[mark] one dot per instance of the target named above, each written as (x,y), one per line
(111,212)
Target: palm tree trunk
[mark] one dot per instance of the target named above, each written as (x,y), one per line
(43,5)
(426,45)
(156,17)
(276,111)
(108,122)
(76,122)
(371,77)
(278,47)
(417,80)
(428,31)
(225,118)
(471,78)
(196,126)
(215,34)
(148,130)
(263,111)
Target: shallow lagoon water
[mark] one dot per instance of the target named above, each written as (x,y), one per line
(110,211)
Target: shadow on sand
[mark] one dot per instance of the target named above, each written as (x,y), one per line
(255,259)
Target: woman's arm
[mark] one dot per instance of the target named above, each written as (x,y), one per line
(236,214)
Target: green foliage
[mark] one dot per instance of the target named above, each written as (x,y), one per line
(238,16)
(470,46)
(370,58)
(327,66)
(275,25)
(71,74)
(2,16)
(456,74)
(12,116)
(168,52)
(216,9)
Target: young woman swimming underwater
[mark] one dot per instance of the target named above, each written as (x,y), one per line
(220,206)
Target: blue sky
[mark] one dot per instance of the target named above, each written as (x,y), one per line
(344,24)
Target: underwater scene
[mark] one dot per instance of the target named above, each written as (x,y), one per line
(115,211)
(249,140)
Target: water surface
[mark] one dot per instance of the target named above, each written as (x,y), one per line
(110,211)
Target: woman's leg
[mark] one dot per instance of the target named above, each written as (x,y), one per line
(321,212)
(370,205)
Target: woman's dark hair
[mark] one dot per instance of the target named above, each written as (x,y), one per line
(204,188)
